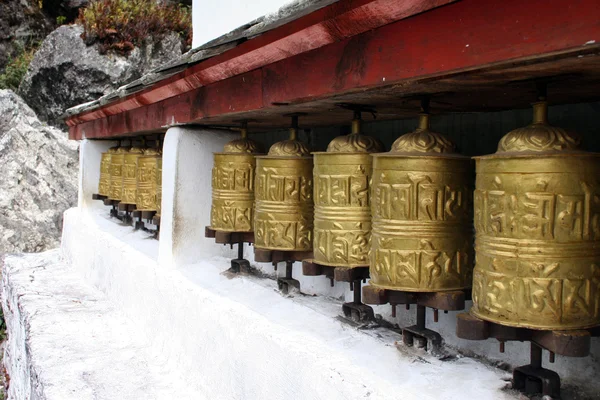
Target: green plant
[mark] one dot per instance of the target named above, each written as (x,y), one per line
(61,19)
(16,68)
(120,25)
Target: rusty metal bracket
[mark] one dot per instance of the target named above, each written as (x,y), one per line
(355,310)
(275,256)
(287,284)
(418,334)
(239,264)
(340,274)
(96,196)
(531,378)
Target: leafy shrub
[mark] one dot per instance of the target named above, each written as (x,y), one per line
(16,68)
(120,25)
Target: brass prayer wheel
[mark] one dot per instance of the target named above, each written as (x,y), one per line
(147,196)
(421,238)
(342,223)
(232,207)
(537,224)
(283,217)
(158,187)
(116,173)
(129,172)
(104,182)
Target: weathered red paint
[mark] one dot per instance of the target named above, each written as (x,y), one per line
(468,34)
(332,23)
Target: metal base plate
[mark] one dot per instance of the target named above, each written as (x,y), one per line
(340,274)
(531,380)
(240,266)
(274,256)
(288,285)
(358,312)
(421,337)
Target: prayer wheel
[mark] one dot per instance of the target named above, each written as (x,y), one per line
(116,173)
(537,224)
(283,217)
(421,238)
(129,173)
(158,189)
(104,183)
(342,223)
(232,207)
(148,182)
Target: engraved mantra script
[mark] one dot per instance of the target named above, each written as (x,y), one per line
(538,214)
(232,179)
(283,188)
(284,207)
(342,190)
(342,215)
(421,199)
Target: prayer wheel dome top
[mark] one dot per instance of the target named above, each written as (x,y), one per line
(423,140)
(151,151)
(136,150)
(243,145)
(289,148)
(539,136)
(355,143)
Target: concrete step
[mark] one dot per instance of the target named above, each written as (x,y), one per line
(67,341)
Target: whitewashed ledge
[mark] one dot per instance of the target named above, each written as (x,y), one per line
(67,341)
(116,324)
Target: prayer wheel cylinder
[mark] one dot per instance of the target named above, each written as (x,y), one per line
(537,224)
(147,180)
(158,187)
(104,182)
(129,172)
(342,223)
(422,232)
(232,208)
(116,173)
(283,217)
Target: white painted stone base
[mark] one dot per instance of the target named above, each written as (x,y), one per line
(67,341)
(238,338)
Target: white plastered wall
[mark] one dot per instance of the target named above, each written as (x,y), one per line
(186,196)
(187,165)
(90,155)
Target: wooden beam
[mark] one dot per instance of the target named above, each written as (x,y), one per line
(330,24)
(468,35)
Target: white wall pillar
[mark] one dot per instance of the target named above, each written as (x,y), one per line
(186,195)
(90,155)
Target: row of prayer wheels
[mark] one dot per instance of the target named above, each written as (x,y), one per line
(408,214)
(132,175)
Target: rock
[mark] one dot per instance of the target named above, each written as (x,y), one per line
(38,165)
(65,72)
(69,9)
(21,24)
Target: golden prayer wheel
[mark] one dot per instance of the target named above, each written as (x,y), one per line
(148,182)
(283,218)
(104,183)
(342,223)
(116,173)
(421,238)
(158,187)
(232,207)
(537,204)
(129,173)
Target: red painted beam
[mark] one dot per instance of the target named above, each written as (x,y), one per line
(468,34)
(330,24)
